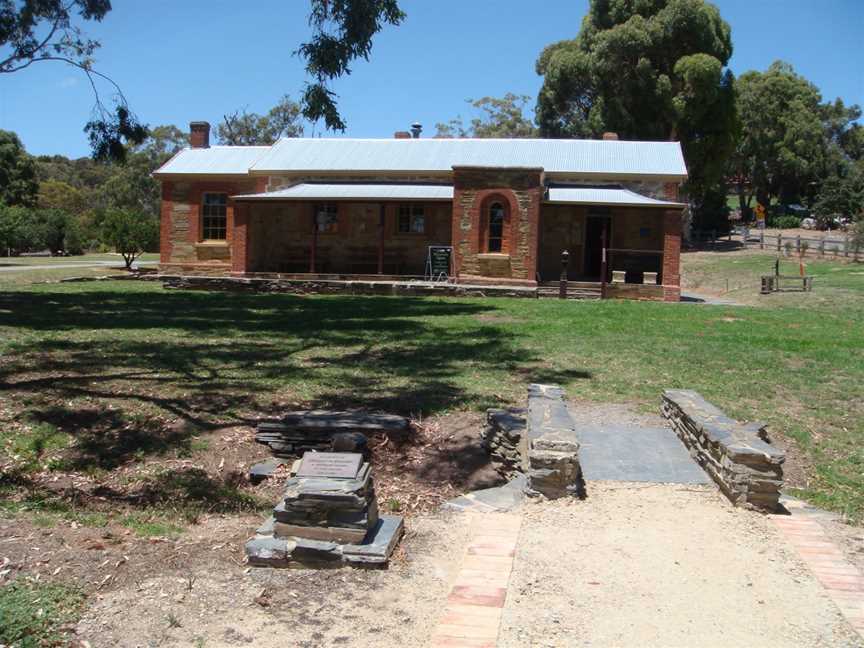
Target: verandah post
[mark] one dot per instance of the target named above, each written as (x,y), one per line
(381,240)
(314,239)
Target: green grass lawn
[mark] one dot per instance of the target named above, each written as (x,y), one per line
(114,364)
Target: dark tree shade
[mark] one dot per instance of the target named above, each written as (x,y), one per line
(342,33)
(45,30)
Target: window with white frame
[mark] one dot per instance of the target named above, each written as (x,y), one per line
(327,218)
(412,219)
(214,216)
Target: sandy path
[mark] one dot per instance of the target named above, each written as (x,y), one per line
(661,565)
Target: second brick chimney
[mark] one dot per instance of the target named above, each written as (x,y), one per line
(199,134)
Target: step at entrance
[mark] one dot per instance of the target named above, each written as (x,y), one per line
(575,290)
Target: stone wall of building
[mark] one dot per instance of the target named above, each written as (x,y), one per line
(747,469)
(182,247)
(520,191)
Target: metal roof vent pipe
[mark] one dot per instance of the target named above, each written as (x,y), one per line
(416,129)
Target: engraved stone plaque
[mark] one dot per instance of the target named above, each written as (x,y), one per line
(338,465)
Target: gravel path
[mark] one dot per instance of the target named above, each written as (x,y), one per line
(661,565)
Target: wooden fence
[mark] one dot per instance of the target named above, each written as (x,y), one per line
(777,243)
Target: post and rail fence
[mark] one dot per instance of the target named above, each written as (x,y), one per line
(798,245)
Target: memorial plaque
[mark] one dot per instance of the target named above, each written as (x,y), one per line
(339,465)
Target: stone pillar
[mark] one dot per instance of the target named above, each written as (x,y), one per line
(520,191)
(240,240)
(672,255)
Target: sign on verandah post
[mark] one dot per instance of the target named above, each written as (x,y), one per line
(439,262)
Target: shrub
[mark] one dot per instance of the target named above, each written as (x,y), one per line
(784,222)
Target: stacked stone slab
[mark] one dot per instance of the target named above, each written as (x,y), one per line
(747,469)
(505,439)
(553,451)
(306,430)
(326,519)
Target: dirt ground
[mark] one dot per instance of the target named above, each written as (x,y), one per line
(222,603)
(661,565)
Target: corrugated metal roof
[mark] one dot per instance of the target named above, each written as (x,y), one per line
(351,191)
(216,160)
(595,157)
(604,196)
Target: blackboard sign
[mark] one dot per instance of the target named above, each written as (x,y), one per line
(439,262)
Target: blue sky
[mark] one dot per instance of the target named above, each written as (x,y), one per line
(197,59)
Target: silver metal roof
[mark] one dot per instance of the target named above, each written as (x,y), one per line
(216,160)
(612,196)
(351,191)
(596,157)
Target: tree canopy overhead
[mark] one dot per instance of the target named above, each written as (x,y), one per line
(242,128)
(33,31)
(501,117)
(342,33)
(647,70)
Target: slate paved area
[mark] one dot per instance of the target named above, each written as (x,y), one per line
(635,453)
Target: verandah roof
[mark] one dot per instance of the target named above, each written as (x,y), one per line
(351,191)
(607,196)
(570,195)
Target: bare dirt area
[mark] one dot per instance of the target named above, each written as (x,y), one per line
(661,565)
(219,602)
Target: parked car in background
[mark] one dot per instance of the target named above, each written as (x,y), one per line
(808,223)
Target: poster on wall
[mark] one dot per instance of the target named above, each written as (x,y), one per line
(439,262)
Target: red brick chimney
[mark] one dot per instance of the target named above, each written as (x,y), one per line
(199,134)
(402,135)
(610,136)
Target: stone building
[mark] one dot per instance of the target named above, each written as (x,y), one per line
(504,210)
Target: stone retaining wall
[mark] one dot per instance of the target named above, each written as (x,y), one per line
(553,451)
(748,470)
(348,287)
(505,439)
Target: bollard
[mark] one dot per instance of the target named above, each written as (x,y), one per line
(761,239)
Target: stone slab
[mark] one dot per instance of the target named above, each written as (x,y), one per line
(264,469)
(342,535)
(338,465)
(344,421)
(379,544)
(636,454)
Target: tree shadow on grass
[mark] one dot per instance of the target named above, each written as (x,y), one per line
(211,360)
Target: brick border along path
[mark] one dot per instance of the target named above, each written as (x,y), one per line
(838,576)
(473,612)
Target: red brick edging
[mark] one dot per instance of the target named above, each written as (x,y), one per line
(840,578)
(472,615)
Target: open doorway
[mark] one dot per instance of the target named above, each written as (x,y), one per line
(595,225)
